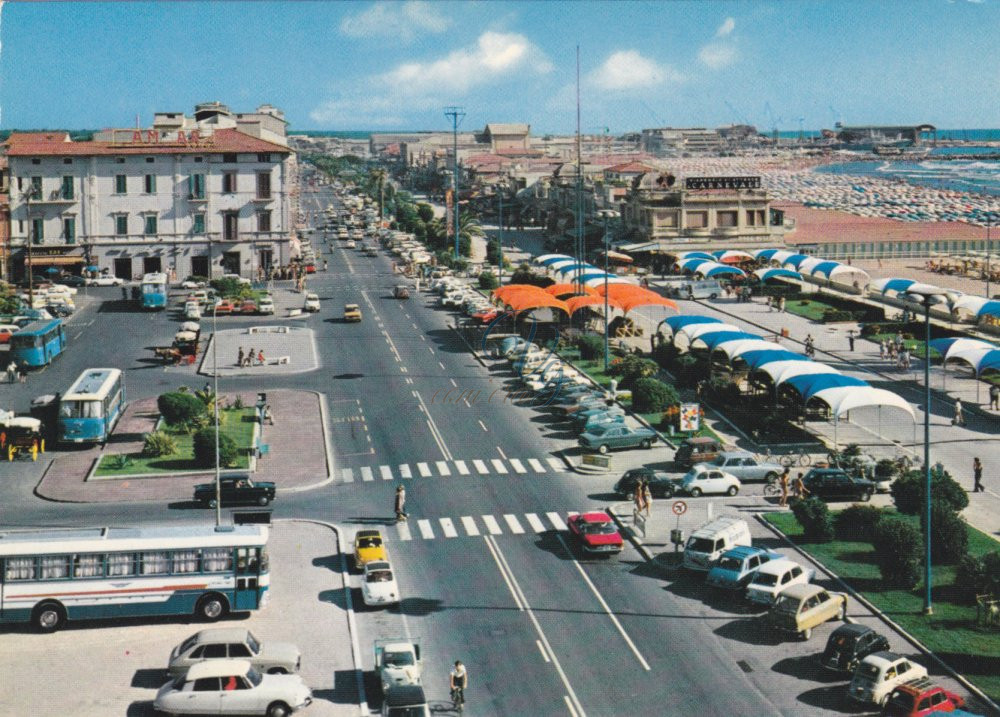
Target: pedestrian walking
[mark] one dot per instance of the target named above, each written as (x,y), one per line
(783,484)
(248,359)
(881,349)
(850,339)
(799,488)
(11,372)
(401,513)
(647,497)
(904,359)
(326,264)
(640,496)
(977,475)
(994,397)
(260,357)
(781,304)
(770,303)
(239,357)
(268,415)
(959,419)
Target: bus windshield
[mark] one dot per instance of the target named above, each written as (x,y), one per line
(20,340)
(81,409)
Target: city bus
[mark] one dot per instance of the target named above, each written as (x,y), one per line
(92,405)
(154,291)
(49,576)
(38,343)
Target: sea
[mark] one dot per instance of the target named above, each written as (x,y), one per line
(973,176)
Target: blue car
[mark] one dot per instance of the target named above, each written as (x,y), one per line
(737,566)
(600,419)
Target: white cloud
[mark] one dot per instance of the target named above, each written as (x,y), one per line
(726,28)
(627,69)
(717,56)
(495,56)
(403,21)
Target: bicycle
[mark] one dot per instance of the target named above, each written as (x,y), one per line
(458,698)
(772,489)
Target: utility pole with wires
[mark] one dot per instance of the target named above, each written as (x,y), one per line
(456,114)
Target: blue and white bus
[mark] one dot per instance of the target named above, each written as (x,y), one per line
(38,343)
(92,405)
(49,576)
(154,291)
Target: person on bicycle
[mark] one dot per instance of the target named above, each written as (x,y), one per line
(458,680)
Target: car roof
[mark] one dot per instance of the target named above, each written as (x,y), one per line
(404,695)
(221,634)
(701,440)
(852,628)
(743,551)
(883,658)
(368,534)
(597,516)
(217,668)
(778,565)
(737,454)
(803,590)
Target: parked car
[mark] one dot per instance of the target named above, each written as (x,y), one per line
(834,484)
(401,291)
(804,607)
(596,532)
(248,306)
(378,584)
(265,305)
(879,674)
(601,419)
(774,577)
(192,310)
(849,644)
(697,450)
(737,567)
(703,480)
(234,643)
(661,484)
(368,547)
(72,280)
(747,467)
(919,698)
(311,302)
(106,280)
(224,306)
(707,543)
(235,490)
(616,436)
(6,331)
(581,417)
(232,687)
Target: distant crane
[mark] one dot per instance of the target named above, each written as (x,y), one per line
(772,121)
(736,115)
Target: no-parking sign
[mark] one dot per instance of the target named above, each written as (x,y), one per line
(679,507)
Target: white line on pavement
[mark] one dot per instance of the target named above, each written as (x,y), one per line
(348,475)
(404,531)
(366,474)
(470,526)
(404,470)
(515,527)
(503,573)
(498,465)
(453,382)
(462,468)
(535,522)
(443,468)
(502,454)
(438,438)
(426,531)
(492,525)
(483,425)
(441,365)
(448,527)
(425,470)
(481,467)
(534,463)
(386,472)
(541,649)
(517,465)
(569,705)
(557,522)
(557,465)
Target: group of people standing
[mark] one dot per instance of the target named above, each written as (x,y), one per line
(776,304)
(643,497)
(249,358)
(799,490)
(896,351)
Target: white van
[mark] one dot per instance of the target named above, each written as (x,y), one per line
(712,539)
(707,289)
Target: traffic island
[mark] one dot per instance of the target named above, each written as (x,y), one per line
(260,351)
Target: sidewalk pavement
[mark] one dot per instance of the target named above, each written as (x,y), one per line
(297,457)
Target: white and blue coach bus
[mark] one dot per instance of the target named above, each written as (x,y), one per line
(154,291)
(89,410)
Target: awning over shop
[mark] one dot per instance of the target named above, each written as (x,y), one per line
(731,256)
(547,259)
(781,371)
(713,338)
(768,274)
(693,331)
(676,323)
(578,302)
(808,385)
(764,254)
(736,349)
(687,255)
(53,261)
(895,285)
(947,347)
(563,289)
(618,256)
(758,359)
(847,398)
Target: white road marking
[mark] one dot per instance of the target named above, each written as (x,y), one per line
(425,470)
(502,454)
(443,468)
(449,528)
(366,474)
(386,472)
(501,566)
(438,438)
(453,382)
(513,524)
(430,349)
(569,704)
(404,470)
(541,649)
(557,521)
(517,466)
(481,467)
(462,468)
(426,531)
(403,528)
(492,525)
(441,365)
(470,526)
(348,475)
(483,425)
(535,522)
(557,465)
(534,463)
(498,465)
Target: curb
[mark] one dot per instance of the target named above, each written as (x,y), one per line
(961,679)
(636,541)
(327,452)
(359,673)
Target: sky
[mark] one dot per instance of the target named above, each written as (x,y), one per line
(397,65)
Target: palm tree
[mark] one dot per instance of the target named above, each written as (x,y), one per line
(377,179)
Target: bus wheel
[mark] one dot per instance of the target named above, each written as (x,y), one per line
(211,607)
(48,616)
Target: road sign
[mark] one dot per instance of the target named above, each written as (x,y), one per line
(679,507)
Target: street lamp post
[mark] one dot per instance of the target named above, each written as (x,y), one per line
(989,247)
(606,214)
(500,189)
(215,380)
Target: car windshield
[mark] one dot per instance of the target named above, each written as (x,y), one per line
(372,542)
(602,528)
(254,676)
(733,564)
(903,700)
(379,576)
(867,670)
(397,659)
(765,579)
(701,545)
(188,644)
(253,643)
(845,640)
(787,604)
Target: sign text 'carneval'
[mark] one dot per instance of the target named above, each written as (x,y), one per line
(722,182)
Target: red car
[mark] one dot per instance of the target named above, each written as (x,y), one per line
(486,315)
(224,307)
(596,532)
(310,268)
(6,331)
(248,307)
(921,697)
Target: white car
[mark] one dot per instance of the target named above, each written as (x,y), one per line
(879,674)
(311,303)
(265,305)
(192,310)
(378,584)
(702,480)
(106,281)
(232,687)
(61,289)
(188,284)
(775,576)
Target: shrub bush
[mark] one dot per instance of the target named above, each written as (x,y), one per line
(898,552)
(858,522)
(650,394)
(204,448)
(488,281)
(158,443)
(228,286)
(949,534)
(831,315)
(591,346)
(815,518)
(970,577)
(180,408)
(908,491)
(493,251)
(631,367)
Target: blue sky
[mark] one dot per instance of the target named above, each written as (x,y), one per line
(396,65)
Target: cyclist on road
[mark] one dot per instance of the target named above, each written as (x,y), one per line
(458,680)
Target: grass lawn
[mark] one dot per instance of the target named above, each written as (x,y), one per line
(807,308)
(951,632)
(915,346)
(238,425)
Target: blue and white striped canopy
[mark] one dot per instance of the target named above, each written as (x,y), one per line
(825,268)
(676,323)
(765,254)
(547,259)
(756,359)
(796,259)
(722,270)
(715,338)
(808,385)
(897,285)
(767,274)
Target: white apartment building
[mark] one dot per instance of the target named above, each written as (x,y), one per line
(206,195)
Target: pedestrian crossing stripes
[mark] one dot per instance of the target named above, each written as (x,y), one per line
(443,469)
(475,526)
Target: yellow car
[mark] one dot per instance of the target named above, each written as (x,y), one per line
(368,547)
(352,312)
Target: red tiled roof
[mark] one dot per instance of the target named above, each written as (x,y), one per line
(630,168)
(42,144)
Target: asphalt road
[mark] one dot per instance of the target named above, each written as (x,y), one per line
(542,630)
